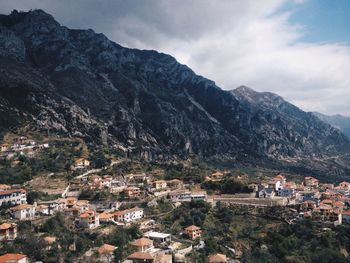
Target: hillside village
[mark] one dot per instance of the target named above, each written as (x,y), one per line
(97,203)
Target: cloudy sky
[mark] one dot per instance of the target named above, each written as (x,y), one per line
(299,49)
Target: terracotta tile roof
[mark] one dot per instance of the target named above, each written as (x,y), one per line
(338,203)
(327,201)
(192,228)
(11,191)
(11,257)
(106,249)
(105,215)
(217,258)
(142,242)
(140,255)
(5,226)
(20,207)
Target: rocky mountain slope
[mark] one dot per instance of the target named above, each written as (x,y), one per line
(79,83)
(337,121)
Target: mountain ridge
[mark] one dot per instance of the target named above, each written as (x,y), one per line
(338,121)
(82,84)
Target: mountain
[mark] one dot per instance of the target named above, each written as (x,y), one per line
(337,121)
(79,83)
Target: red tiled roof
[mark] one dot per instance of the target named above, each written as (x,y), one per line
(11,191)
(106,249)
(11,256)
(5,226)
(142,242)
(192,228)
(20,207)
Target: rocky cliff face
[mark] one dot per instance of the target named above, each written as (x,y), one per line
(79,83)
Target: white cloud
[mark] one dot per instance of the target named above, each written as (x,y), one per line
(234,43)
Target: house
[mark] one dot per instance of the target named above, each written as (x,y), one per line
(106,218)
(132,192)
(42,210)
(128,215)
(345,185)
(270,192)
(5,147)
(311,195)
(158,237)
(308,205)
(346,217)
(216,176)
(325,187)
(201,195)
(54,205)
(159,184)
(180,196)
(80,163)
(23,212)
(344,191)
(13,197)
(290,184)
(140,178)
(266,192)
(280,178)
(311,182)
(286,192)
(193,232)
(217,258)
(8,231)
(106,252)
(275,185)
(142,245)
(14,258)
(141,257)
(89,219)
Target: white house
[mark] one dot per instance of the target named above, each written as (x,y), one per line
(128,215)
(180,196)
(14,258)
(275,184)
(23,212)
(8,231)
(158,237)
(13,197)
(195,196)
(89,219)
